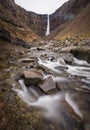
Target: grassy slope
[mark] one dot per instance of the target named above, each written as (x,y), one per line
(80,26)
(12,19)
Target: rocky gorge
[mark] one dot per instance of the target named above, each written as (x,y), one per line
(44,81)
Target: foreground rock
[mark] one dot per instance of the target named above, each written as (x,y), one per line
(27,60)
(68,58)
(32,77)
(48,86)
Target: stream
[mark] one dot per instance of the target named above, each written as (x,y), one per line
(68,106)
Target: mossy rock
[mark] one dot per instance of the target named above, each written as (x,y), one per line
(82,53)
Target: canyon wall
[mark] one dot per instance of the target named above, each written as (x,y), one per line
(38,23)
(67,12)
(17,23)
(20,24)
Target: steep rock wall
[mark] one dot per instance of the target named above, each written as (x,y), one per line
(67,12)
(20,23)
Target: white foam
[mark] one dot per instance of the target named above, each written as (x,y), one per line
(79,70)
(72,104)
(81,62)
(85,87)
(52,65)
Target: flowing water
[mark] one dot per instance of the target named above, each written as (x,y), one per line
(48,26)
(67,108)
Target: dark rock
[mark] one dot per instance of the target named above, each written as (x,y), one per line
(68,58)
(18,41)
(61,67)
(27,60)
(82,53)
(48,85)
(67,12)
(51,58)
(32,77)
(4,34)
(40,49)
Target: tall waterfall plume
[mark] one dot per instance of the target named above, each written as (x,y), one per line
(48,26)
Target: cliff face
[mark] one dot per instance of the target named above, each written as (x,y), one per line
(80,26)
(18,23)
(67,12)
(37,22)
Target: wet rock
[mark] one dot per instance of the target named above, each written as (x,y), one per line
(53,91)
(40,48)
(27,60)
(68,58)
(48,86)
(61,68)
(32,77)
(44,68)
(68,85)
(4,34)
(51,58)
(68,49)
(82,53)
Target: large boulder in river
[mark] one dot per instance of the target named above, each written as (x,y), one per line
(48,86)
(68,58)
(32,77)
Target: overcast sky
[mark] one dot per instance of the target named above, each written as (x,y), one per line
(41,6)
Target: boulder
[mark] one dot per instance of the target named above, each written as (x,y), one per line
(82,53)
(68,58)
(48,86)
(32,77)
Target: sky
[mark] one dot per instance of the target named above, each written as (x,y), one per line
(40,6)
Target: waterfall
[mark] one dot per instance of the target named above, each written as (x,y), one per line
(48,26)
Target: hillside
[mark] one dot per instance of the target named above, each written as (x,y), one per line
(80,26)
(73,19)
(16,23)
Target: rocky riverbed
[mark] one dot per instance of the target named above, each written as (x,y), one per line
(44,87)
